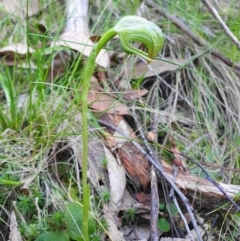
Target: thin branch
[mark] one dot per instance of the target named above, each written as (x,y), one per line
(154,184)
(154,206)
(225,28)
(172,195)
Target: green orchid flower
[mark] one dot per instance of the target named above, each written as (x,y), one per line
(129,29)
(137,29)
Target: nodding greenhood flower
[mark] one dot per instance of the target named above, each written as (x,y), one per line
(137,29)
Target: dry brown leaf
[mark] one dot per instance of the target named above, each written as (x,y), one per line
(143,198)
(117,179)
(142,230)
(19,63)
(82,43)
(151,136)
(96,171)
(95,38)
(135,164)
(104,103)
(14,54)
(119,138)
(112,221)
(20,9)
(134,94)
(15,48)
(110,141)
(156,67)
(14,231)
(178,160)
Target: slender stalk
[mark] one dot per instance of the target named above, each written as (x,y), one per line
(86,76)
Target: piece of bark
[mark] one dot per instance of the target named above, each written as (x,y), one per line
(201,191)
(133,161)
(134,164)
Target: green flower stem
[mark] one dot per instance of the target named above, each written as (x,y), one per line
(129,29)
(86,76)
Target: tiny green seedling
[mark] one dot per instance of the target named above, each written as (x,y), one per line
(131,215)
(163,223)
(103,224)
(30,231)
(129,29)
(137,82)
(25,204)
(104,162)
(105,195)
(56,221)
(67,225)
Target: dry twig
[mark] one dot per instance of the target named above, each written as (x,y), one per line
(154,182)
(215,14)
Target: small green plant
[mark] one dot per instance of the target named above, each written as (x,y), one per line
(105,195)
(96,237)
(68,224)
(137,82)
(50,236)
(30,231)
(131,215)
(25,204)
(56,221)
(103,224)
(74,219)
(129,29)
(12,120)
(104,162)
(163,223)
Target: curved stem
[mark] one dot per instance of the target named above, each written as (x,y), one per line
(86,76)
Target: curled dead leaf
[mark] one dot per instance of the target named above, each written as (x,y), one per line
(20,8)
(14,230)
(14,55)
(151,136)
(104,103)
(117,179)
(110,141)
(178,160)
(15,48)
(83,44)
(156,67)
(143,198)
(134,94)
